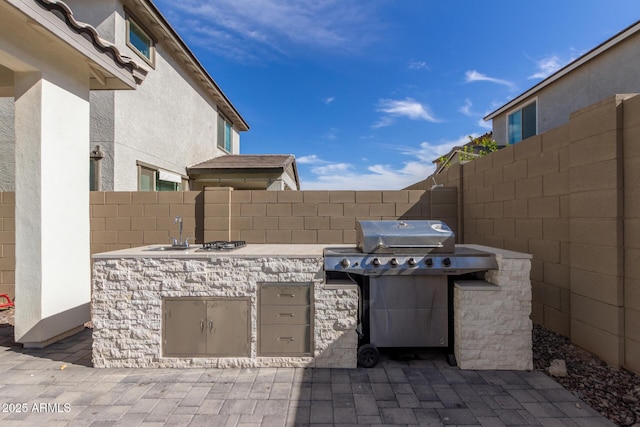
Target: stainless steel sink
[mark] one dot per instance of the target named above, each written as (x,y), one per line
(171,248)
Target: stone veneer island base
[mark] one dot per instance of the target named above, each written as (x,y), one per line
(130,286)
(133,287)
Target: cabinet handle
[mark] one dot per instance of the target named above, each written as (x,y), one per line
(286,315)
(210,325)
(287,295)
(201,325)
(286,339)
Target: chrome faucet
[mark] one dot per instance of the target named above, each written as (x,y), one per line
(179,243)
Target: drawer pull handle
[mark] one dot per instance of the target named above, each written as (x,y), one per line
(201,325)
(286,339)
(286,315)
(210,325)
(287,295)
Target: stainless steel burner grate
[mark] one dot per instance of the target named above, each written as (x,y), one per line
(223,245)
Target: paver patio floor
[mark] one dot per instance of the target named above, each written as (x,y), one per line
(58,386)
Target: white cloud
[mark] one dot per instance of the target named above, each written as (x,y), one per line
(550,64)
(325,175)
(331,168)
(466,108)
(485,125)
(474,76)
(376,177)
(427,152)
(383,122)
(408,108)
(248,29)
(308,160)
(329,100)
(418,65)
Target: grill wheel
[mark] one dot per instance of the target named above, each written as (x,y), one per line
(368,356)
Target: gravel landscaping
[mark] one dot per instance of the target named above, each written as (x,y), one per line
(613,392)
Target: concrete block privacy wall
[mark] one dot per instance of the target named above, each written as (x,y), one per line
(7,243)
(571,198)
(121,220)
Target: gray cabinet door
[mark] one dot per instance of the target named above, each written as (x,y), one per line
(202,327)
(228,327)
(184,327)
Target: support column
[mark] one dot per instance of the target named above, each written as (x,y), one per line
(52,205)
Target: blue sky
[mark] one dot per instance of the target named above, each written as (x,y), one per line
(366,93)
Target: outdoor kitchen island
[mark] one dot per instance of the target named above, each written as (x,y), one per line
(262,305)
(270,305)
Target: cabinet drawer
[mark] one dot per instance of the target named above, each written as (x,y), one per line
(284,295)
(284,339)
(284,315)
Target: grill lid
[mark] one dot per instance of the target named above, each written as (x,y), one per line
(417,236)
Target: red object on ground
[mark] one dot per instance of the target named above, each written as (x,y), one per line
(7,301)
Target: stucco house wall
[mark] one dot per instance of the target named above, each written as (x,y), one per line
(169,123)
(49,63)
(7,145)
(613,69)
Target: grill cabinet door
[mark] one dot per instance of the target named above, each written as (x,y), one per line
(202,327)
(228,327)
(184,327)
(409,311)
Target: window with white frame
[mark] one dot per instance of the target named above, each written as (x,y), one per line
(153,179)
(523,123)
(140,41)
(224,133)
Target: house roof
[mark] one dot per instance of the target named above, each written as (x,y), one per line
(62,11)
(593,53)
(245,161)
(146,9)
(234,164)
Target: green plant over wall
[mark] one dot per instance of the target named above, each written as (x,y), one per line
(475,148)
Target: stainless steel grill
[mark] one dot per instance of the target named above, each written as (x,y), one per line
(402,268)
(424,247)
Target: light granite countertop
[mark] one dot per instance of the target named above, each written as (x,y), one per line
(253,250)
(249,251)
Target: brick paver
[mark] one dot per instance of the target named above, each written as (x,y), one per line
(58,386)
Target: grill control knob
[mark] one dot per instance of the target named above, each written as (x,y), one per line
(411,262)
(375,262)
(393,262)
(429,262)
(446,262)
(345,263)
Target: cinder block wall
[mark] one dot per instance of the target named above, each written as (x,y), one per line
(631,236)
(126,219)
(328,216)
(571,198)
(122,220)
(7,243)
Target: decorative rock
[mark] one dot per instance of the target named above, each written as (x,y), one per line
(558,368)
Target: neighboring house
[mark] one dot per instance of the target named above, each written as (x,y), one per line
(608,69)
(247,172)
(145,139)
